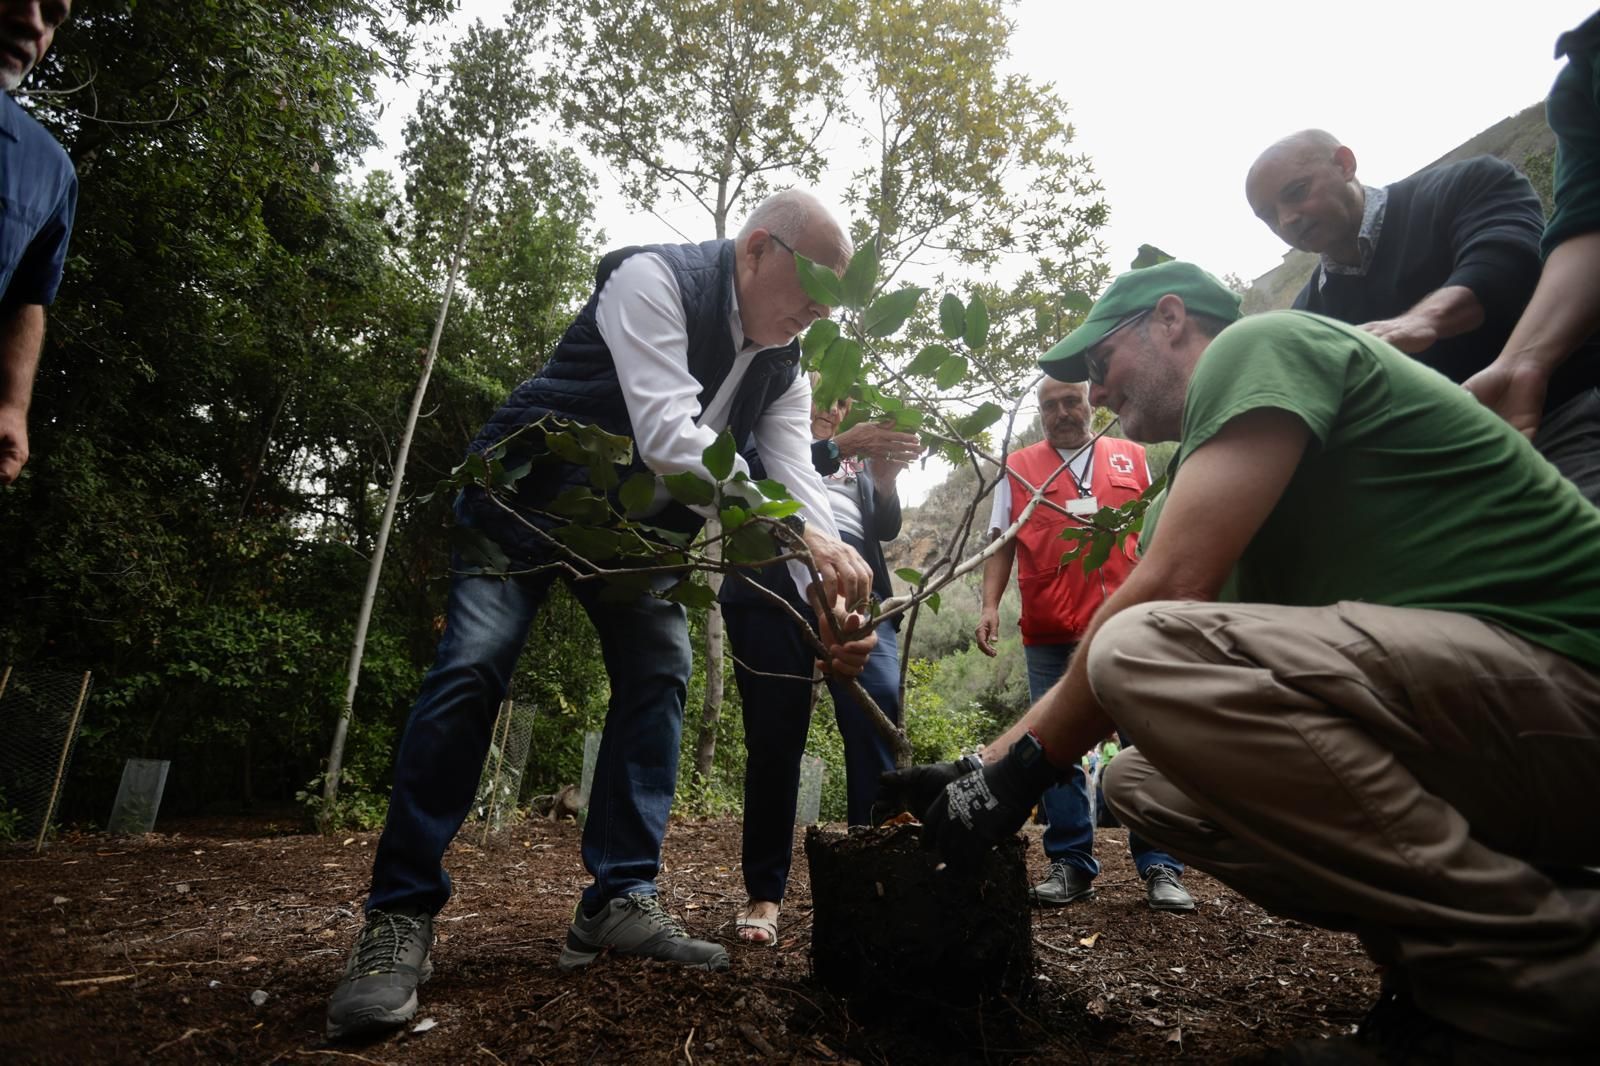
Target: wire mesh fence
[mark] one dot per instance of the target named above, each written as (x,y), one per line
(500,785)
(40,710)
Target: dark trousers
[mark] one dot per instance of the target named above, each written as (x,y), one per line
(777,717)
(1069,834)
(645,643)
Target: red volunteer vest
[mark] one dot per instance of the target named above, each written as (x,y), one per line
(1057,601)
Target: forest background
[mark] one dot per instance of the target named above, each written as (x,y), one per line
(247,308)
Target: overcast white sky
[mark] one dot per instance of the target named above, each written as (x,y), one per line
(1173,99)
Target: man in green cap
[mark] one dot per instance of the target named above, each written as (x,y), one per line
(1359,663)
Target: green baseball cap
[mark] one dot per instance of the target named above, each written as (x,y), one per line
(1138,290)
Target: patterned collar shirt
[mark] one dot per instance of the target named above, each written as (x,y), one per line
(1366,239)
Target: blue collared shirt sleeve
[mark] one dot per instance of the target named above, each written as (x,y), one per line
(38,274)
(38,202)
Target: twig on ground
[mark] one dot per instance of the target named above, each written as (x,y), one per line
(187,1033)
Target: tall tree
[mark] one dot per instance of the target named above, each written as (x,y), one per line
(984,183)
(474,167)
(707,100)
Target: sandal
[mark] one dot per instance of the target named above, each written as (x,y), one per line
(768,927)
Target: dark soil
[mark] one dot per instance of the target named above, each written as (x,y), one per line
(152,950)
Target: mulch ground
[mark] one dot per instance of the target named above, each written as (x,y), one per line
(220,941)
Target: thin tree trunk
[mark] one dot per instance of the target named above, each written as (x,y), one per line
(705,748)
(330,786)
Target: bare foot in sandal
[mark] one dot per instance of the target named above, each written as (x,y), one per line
(758,922)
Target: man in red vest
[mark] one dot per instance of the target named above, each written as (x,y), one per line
(1057,604)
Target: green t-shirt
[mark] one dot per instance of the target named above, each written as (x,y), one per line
(1410,494)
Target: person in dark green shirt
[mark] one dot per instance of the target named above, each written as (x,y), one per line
(1359,664)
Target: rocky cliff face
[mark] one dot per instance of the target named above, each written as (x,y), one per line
(928,528)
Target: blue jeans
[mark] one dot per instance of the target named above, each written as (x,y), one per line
(776,720)
(1068,834)
(645,644)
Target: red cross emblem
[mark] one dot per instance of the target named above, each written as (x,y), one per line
(1121,464)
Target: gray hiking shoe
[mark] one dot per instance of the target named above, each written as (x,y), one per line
(379,989)
(1062,885)
(635,924)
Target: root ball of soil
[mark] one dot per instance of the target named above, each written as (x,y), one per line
(887,924)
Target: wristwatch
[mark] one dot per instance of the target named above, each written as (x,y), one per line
(825,456)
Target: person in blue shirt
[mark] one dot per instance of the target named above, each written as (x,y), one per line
(38,196)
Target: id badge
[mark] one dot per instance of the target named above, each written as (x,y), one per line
(1083,508)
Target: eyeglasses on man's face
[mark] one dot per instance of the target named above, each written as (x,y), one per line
(785,245)
(1097,360)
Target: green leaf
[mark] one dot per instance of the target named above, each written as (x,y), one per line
(733,517)
(951,371)
(624,588)
(719,457)
(478,551)
(909,576)
(822,333)
(778,508)
(1149,255)
(638,493)
(908,420)
(581,504)
(690,488)
(933,602)
(952,316)
(751,544)
(1078,302)
(566,446)
(773,490)
(669,536)
(820,283)
(985,416)
(977,332)
(888,313)
(1099,551)
(471,471)
(602,473)
(691,594)
(860,277)
(841,364)
(507,478)
(593,544)
(927,361)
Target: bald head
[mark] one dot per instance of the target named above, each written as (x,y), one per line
(797,216)
(1304,188)
(774,306)
(1307,146)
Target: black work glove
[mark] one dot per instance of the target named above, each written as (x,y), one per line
(913,788)
(979,810)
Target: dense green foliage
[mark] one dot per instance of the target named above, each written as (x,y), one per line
(243,321)
(227,362)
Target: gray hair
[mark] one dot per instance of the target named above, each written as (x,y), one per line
(793,212)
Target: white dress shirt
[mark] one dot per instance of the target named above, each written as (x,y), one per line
(640,316)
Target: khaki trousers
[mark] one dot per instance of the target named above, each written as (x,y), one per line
(1422,778)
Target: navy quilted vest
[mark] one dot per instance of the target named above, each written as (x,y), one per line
(579,382)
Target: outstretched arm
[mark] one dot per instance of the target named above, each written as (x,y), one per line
(1226,489)
(21,337)
(1563,313)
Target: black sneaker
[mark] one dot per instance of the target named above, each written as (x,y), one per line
(1163,891)
(1062,885)
(389,961)
(635,924)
